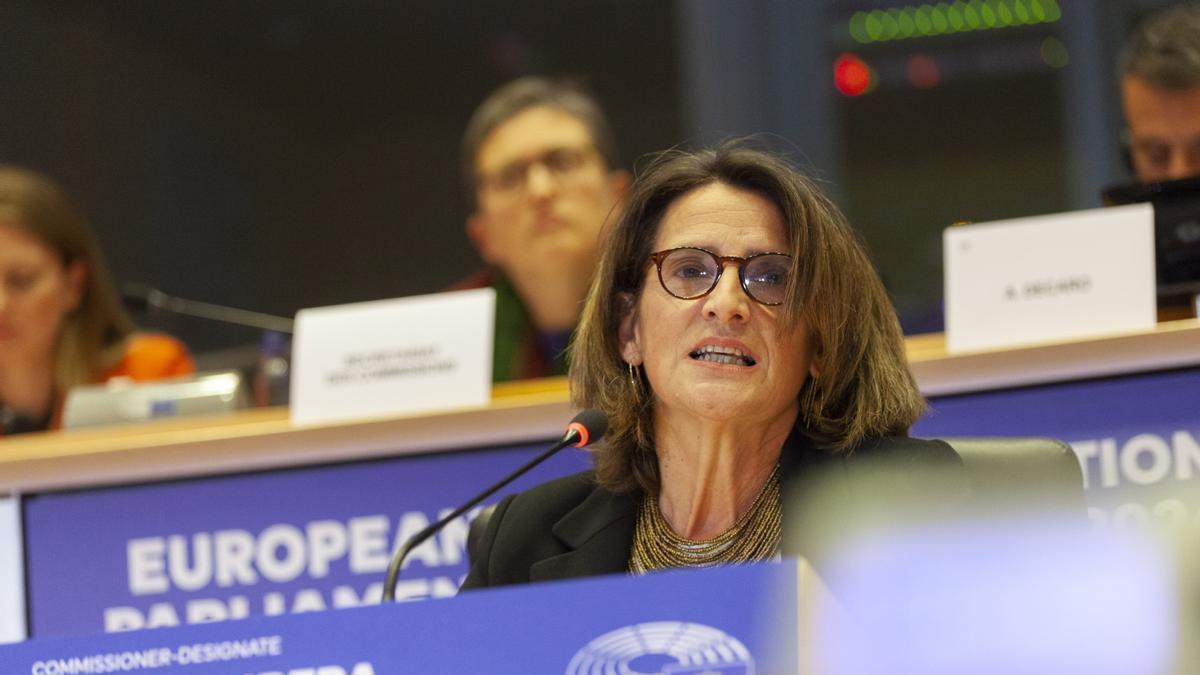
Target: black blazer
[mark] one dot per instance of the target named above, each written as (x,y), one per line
(570,527)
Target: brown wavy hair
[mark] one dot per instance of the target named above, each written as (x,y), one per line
(92,337)
(865,388)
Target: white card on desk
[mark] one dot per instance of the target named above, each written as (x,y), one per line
(12,572)
(1048,278)
(390,357)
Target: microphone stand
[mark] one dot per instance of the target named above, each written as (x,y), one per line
(587,426)
(393,572)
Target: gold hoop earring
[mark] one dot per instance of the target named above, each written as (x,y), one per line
(635,381)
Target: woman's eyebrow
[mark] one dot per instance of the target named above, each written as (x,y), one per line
(746,253)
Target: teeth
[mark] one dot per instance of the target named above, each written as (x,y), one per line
(714,349)
(725,355)
(722,358)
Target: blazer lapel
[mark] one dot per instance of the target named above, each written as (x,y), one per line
(597,535)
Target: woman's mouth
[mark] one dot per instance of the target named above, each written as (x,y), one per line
(730,356)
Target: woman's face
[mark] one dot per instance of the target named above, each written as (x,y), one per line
(763,365)
(36,292)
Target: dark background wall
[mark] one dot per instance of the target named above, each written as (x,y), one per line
(278,154)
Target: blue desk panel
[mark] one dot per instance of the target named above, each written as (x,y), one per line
(717,622)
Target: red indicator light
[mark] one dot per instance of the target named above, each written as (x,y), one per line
(851,75)
(923,71)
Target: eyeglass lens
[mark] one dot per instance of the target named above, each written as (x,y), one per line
(691,272)
(560,162)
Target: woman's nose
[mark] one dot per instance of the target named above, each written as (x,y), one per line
(728,301)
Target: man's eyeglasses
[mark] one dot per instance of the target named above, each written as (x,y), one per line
(562,163)
(688,273)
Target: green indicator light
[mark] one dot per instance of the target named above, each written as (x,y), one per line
(940,23)
(1021,12)
(924,23)
(858,27)
(944,18)
(995,5)
(1053,13)
(987,15)
(1054,53)
(955,16)
(972,17)
(891,24)
(874,27)
(1003,14)
(907,27)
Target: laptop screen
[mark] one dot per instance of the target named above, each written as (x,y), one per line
(1176,230)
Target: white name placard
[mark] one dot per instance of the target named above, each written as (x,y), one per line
(390,357)
(1048,278)
(12,572)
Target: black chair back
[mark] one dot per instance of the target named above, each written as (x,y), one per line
(1040,472)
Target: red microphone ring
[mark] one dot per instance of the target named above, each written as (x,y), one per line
(582,431)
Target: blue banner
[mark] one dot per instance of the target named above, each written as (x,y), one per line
(1137,438)
(231,547)
(720,621)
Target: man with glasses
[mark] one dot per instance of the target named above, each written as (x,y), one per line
(539,159)
(1160,91)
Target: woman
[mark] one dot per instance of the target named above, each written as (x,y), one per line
(61,323)
(738,339)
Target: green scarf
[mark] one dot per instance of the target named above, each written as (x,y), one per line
(517,345)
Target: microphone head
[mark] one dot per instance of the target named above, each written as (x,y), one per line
(140,297)
(589,425)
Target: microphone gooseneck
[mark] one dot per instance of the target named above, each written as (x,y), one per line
(585,428)
(143,297)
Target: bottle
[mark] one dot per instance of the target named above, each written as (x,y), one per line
(272,380)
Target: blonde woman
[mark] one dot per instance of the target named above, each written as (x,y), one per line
(61,323)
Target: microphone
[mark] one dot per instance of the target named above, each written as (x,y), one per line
(143,297)
(586,427)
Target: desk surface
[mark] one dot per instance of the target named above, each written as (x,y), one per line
(1172,344)
(523,411)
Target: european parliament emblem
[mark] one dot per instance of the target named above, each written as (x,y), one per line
(664,648)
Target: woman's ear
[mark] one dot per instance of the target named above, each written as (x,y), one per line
(629,335)
(77,280)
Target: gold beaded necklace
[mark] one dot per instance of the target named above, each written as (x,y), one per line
(755,536)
